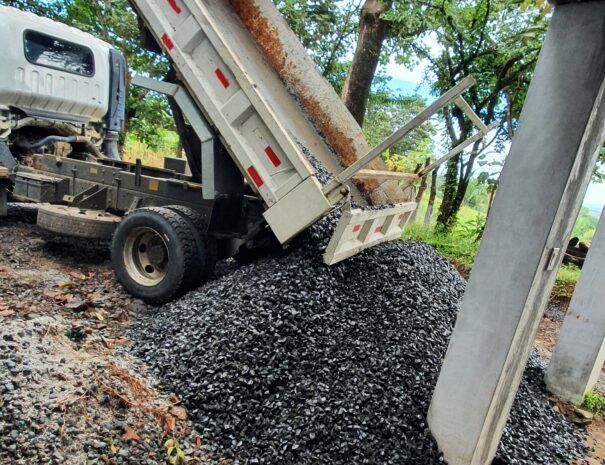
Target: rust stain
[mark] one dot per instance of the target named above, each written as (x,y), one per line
(264,34)
(267,38)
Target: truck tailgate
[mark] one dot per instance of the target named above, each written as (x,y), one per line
(361,229)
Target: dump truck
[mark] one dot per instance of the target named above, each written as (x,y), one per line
(251,124)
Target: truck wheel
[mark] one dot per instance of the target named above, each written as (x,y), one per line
(153,253)
(206,244)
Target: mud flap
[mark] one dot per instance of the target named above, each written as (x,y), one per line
(358,230)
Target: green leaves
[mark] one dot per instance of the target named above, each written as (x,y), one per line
(386,113)
(327,29)
(595,403)
(174,454)
(541,5)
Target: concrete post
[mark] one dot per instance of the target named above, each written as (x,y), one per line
(542,185)
(580,351)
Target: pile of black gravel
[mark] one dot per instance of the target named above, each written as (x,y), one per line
(287,360)
(535,433)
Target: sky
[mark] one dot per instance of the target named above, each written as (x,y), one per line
(409,81)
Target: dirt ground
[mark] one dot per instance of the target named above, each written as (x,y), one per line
(69,391)
(65,370)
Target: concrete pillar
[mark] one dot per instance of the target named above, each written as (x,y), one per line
(545,177)
(580,351)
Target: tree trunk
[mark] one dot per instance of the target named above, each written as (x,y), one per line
(433,194)
(492,193)
(454,193)
(421,191)
(459,197)
(446,209)
(372,32)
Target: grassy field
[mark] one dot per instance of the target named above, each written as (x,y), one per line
(134,149)
(460,245)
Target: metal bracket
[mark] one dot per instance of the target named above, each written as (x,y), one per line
(95,197)
(456,150)
(6,157)
(196,120)
(138,170)
(136,203)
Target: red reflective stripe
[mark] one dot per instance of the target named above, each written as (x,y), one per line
(174,6)
(255,176)
(167,42)
(357,228)
(378,229)
(221,77)
(272,156)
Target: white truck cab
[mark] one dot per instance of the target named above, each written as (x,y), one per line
(54,75)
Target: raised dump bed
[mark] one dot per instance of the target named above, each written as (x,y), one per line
(263,127)
(240,95)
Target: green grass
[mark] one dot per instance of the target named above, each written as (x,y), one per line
(567,277)
(134,149)
(595,403)
(456,245)
(461,244)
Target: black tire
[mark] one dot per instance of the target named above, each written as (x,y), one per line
(153,252)
(206,244)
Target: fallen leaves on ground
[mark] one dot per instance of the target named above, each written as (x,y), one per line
(179,412)
(76,275)
(169,423)
(66,284)
(130,435)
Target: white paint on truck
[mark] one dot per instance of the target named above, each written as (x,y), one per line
(64,72)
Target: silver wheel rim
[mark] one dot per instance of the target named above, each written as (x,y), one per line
(146,256)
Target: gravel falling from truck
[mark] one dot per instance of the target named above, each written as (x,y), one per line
(287,360)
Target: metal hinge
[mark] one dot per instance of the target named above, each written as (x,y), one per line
(552,259)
